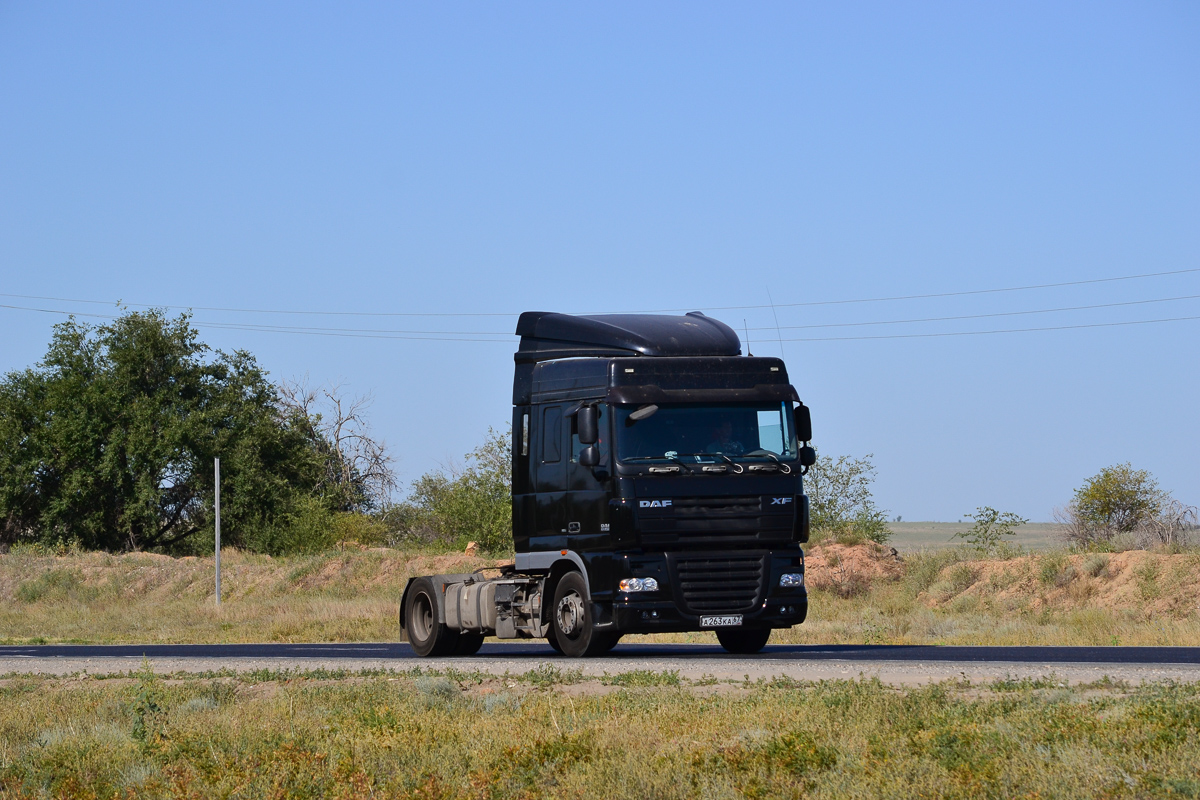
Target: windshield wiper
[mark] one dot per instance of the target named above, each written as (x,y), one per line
(787,470)
(737,468)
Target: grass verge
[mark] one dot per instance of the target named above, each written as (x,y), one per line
(302,735)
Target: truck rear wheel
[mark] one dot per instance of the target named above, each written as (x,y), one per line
(743,642)
(426,635)
(571,620)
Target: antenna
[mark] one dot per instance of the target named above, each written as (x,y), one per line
(747,327)
(777,333)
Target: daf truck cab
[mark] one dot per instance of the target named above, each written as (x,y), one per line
(657,486)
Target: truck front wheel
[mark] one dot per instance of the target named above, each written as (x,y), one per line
(571,620)
(743,642)
(426,635)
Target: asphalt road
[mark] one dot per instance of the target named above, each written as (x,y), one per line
(657,653)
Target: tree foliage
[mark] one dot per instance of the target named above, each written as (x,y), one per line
(1123,500)
(990,529)
(457,505)
(109,441)
(840,501)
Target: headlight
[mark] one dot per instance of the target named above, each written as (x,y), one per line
(639,585)
(792,580)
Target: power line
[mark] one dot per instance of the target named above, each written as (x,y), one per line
(987,333)
(280,329)
(986,316)
(930,296)
(457,336)
(121,303)
(364,334)
(647,311)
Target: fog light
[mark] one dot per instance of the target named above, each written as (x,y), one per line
(649,615)
(792,580)
(639,585)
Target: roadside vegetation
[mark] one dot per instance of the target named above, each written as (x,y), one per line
(862,593)
(107,444)
(106,485)
(550,734)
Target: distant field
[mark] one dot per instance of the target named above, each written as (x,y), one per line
(908,537)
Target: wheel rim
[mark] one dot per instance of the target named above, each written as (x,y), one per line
(421,619)
(570,614)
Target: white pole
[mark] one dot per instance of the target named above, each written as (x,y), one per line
(217,484)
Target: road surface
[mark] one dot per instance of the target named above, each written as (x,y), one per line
(891,663)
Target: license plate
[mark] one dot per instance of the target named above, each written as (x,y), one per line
(723,621)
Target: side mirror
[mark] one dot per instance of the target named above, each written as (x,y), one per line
(589,425)
(808,456)
(589,456)
(803,422)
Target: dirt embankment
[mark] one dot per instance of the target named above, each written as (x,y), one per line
(1157,584)
(851,569)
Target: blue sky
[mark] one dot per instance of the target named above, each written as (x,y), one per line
(485,159)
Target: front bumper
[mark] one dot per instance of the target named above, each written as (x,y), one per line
(663,616)
(691,585)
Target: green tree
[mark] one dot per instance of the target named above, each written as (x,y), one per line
(110,440)
(1118,499)
(1123,500)
(990,528)
(840,501)
(454,506)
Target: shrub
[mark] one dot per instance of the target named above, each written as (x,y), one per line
(990,528)
(1121,500)
(1052,565)
(1095,564)
(454,506)
(921,570)
(839,493)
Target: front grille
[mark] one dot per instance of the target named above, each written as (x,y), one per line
(719,585)
(712,519)
(716,506)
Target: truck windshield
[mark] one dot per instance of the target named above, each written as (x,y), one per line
(709,433)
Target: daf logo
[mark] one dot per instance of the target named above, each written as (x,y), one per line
(780,501)
(654,503)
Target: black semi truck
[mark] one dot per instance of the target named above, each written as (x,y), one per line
(656,487)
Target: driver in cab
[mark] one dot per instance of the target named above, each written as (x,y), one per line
(723,441)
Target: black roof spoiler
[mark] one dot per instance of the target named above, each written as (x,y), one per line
(546,336)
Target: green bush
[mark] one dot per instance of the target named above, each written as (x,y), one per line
(991,527)
(455,506)
(1121,508)
(1051,566)
(839,494)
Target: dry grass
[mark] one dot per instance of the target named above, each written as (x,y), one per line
(1053,598)
(462,736)
(858,594)
(144,598)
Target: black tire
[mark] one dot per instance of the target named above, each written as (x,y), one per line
(743,642)
(468,644)
(571,619)
(426,635)
(550,640)
(613,638)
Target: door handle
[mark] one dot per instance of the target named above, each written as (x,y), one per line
(573,527)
